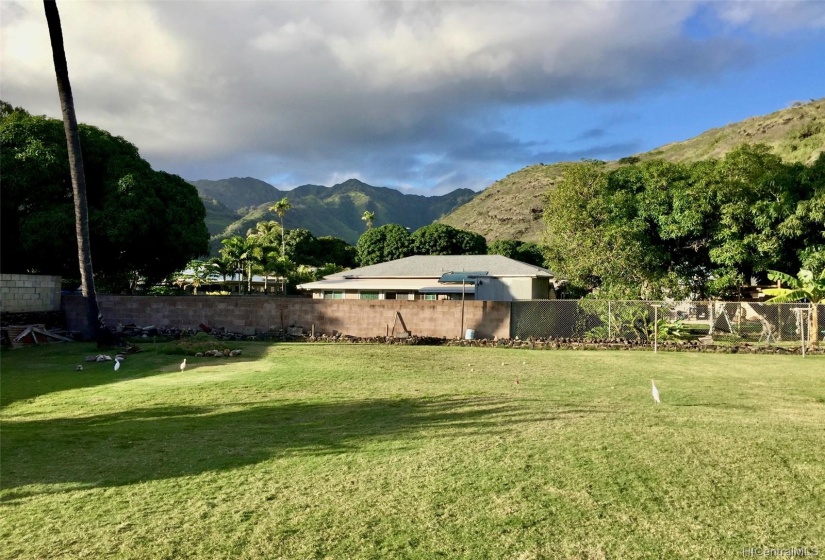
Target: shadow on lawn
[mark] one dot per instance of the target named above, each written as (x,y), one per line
(157,443)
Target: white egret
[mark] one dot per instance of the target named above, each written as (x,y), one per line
(117,365)
(655,393)
(183,364)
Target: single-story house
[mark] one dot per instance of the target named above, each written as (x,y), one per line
(488,278)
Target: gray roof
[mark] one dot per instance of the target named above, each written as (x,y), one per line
(433,266)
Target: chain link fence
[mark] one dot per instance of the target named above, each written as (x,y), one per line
(635,320)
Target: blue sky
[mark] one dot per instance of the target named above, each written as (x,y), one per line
(422,96)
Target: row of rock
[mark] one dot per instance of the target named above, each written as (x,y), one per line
(549,343)
(226,353)
(176,333)
(104,358)
(570,344)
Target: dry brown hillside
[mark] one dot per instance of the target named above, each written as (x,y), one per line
(511,208)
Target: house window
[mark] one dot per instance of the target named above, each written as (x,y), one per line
(429,297)
(333,295)
(396,295)
(368,295)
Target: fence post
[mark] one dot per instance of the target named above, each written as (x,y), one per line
(609,313)
(655,327)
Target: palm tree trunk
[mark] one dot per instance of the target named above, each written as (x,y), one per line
(283,238)
(81,210)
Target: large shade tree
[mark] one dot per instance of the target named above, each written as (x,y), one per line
(441,239)
(704,229)
(143,224)
(384,243)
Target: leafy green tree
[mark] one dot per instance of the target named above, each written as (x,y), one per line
(384,243)
(763,213)
(595,238)
(336,251)
(523,251)
(441,239)
(281,208)
(302,247)
(142,223)
(657,228)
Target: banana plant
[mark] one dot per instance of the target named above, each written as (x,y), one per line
(804,286)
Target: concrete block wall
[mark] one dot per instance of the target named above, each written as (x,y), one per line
(247,314)
(29,293)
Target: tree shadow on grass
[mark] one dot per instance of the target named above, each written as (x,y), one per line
(29,373)
(110,450)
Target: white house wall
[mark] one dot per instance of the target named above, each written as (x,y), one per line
(505,289)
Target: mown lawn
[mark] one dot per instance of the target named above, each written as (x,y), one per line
(340,451)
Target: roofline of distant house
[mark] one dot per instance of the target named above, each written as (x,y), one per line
(342,276)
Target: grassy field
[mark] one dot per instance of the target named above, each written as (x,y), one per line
(340,451)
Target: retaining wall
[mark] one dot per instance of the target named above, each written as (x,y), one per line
(248,314)
(29,293)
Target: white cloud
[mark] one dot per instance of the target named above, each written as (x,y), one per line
(316,90)
(773,17)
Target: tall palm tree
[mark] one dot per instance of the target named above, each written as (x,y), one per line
(238,251)
(222,266)
(282,207)
(266,250)
(368,217)
(81,209)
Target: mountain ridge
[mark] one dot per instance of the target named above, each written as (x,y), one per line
(236,204)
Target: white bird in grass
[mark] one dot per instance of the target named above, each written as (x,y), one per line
(183,364)
(117,365)
(655,393)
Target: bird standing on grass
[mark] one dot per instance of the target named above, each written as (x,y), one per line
(117,365)
(655,393)
(183,364)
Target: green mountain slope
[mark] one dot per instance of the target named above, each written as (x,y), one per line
(238,192)
(335,210)
(511,208)
(218,216)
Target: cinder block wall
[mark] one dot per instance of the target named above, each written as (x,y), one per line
(250,313)
(29,293)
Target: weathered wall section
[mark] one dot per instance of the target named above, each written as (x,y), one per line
(29,293)
(250,313)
